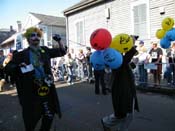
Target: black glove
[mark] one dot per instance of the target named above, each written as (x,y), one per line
(56,37)
(132,65)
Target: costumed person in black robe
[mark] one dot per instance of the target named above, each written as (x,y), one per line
(124,97)
(31,69)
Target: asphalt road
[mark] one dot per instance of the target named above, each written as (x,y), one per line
(82,110)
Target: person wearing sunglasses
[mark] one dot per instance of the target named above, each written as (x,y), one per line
(31,69)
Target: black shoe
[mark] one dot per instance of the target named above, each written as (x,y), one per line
(104,127)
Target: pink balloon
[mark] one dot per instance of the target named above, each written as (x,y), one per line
(100,39)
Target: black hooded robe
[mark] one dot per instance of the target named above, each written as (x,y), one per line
(123,87)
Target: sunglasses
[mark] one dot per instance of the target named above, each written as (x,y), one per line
(34,34)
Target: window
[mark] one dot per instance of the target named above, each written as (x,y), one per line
(80,32)
(19,42)
(140,20)
(18,45)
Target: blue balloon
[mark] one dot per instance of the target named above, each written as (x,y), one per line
(112,58)
(165,43)
(171,34)
(97,60)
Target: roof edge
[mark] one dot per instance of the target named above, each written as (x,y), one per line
(82,6)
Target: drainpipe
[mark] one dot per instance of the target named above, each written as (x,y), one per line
(67,32)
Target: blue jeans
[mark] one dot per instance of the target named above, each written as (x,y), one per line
(70,75)
(143,77)
(168,74)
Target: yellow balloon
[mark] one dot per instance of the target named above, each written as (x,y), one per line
(160,33)
(167,23)
(122,42)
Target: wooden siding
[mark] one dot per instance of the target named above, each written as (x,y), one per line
(95,18)
(120,21)
(120,18)
(92,19)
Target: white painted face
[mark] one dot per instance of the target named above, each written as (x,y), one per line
(34,39)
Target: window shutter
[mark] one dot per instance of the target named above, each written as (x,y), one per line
(79,32)
(140,21)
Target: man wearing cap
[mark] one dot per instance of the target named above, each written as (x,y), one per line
(31,68)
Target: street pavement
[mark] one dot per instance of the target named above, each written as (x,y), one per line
(82,110)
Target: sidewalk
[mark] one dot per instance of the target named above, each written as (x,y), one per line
(161,90)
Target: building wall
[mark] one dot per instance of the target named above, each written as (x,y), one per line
(30,21)
(58,30)
(5,34)
(47,34)
(92,19)
(120,19)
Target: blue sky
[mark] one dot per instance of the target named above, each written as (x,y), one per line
(17,10)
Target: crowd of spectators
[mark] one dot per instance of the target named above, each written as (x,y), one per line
(76,66)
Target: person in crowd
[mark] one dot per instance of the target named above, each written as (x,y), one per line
(7,59)
(142,54)
(89,66)
(99,81)
(72,52)
(155,54)
(9,78)
(58,68)
(31,68)
(54,65)
(2,75)
(74,64)
(69,64)
(107,77)
(61,68)
(124,97)
(2,57)
(171,65)
(81,64)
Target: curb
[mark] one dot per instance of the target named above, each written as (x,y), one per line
(165,91)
